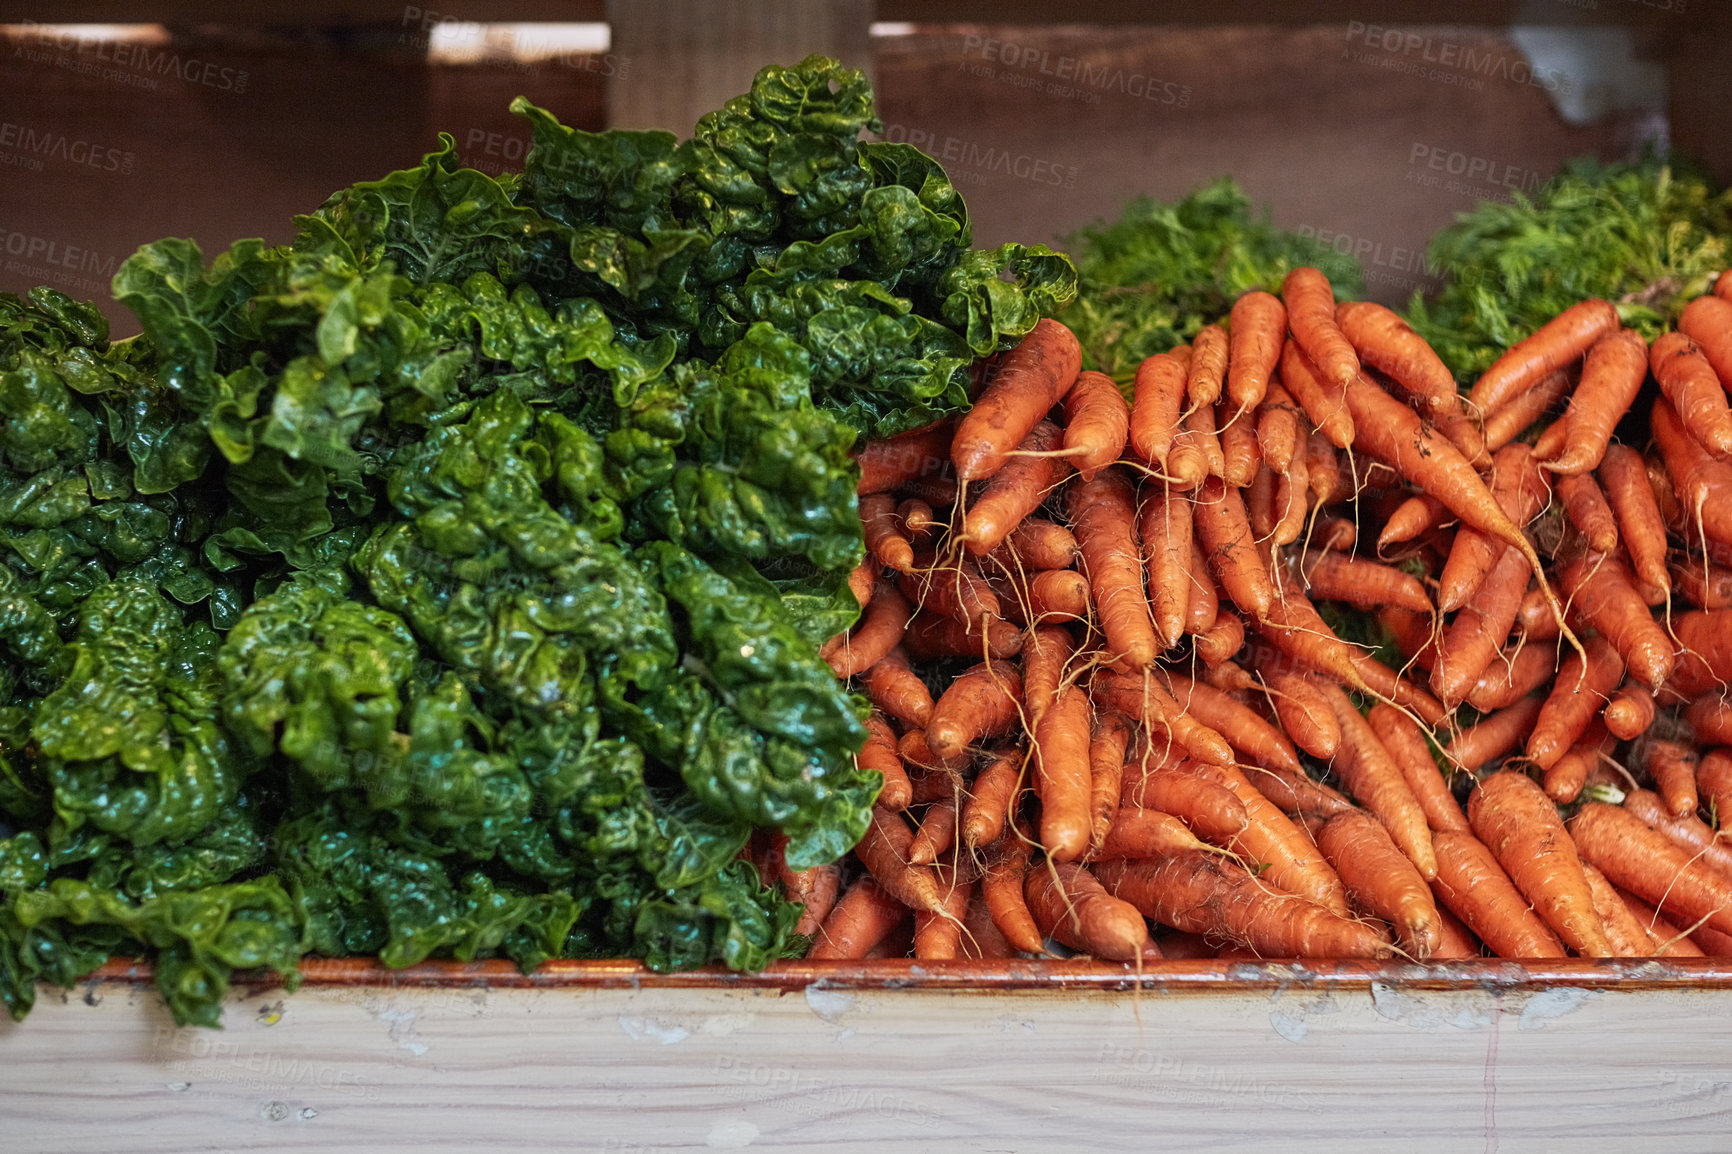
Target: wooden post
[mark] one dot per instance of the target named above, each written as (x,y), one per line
(682,58)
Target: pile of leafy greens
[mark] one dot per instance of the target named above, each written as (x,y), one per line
(449,581)
(1152,279)
(1646,236)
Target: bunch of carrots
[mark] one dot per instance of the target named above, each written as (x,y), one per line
(1105,696)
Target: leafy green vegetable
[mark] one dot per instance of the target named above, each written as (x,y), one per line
(1153,278)
(449,581)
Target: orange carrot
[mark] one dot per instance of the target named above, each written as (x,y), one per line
(1157,403)
(937,832)
(863,918)
(1202,894)
(1292,489)
(933,635)
(1506,422)
(896,689)
(1639,524)
(1566,777)
(1629,713)
(1582,689)
(1037,543)
(1624,930)
(1062,775)
(1015,490)
(1310,305)
(1260,511)
(1708,321)
(1686,831)
(938,933)
(880,753)
(1521,491)
(1534,617)
(1703,484)
(1667,939)
(1689,382)
(914,751)
(1455,940)
(1046,653)
(1585,506)
(1385,342)
(956,591)
(1710,718)
(1103,515)
(1305,713)
(1475,888)
(1097,423)
(884,536)
(1058,595)
(1165,530)
(1414,635)
(1208,808)
(1703,583)
(1561,341)
(1270,838)
(1295,794)
(1324,467)
(1672,766)
(1240,452)
(1406,745)
(1642,861)
(1031,379)
(1380,879)
(883,850)
(1723,287)
(1516,821)
(1324,401)
(1208,367)
(1494,736)
(880,628)
(1471,643)
(1226,537)
(813,889)
(981,937)
(1144,833)
(1372,776)
(1278,428)
(990,800)
(1512,675)
(1613,375)
(890,464)
(1221,641)
(1203,605)
(917,519)
(1072,907)
(1001,889)
(1107,745)
(1714,784)
(1331,576)
(1146,699)
(1601,595)
(1411,519)
(1257,327)
(1335,533)
(983,702)
(1248,734)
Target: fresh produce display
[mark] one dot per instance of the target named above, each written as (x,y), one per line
(1112,646)
(449,582)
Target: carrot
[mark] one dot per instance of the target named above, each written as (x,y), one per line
(956,591)
(1471,643)
(884,537)
(863,918)
(1385,342)
(813,889)
(1624,930)
(1001,890)
(933,635)
(1310,305)
(1270,838)
(1324,401)
(1260,511)
(1165,530)
(1103,515)
(1046,653)
(1668,940)
(1581,691)
(938,933)
(985,701)
(1686,831)
(1629,713)
(1714,784)
(1411,519)
(1304,713)
(914,751)
(1372,776)
(1708,321)
(1703,484)
(1324,467)
(1380,879)
(1689,382)
(1455,940)
(1566,777)
(1037,543)
(1062,775)
(1723,287)
(990,800)
(1208,368)
(1248,734)
(1521,827)
(879,631)
(1613,375)
(896,689)
(937,832)
(1512,675)
(890,464)
(1602,596)
(863,579)
(1221,641)
(1209,809)
(1097,423)
(1200,893)
(1156,404)
(1015,490)
(1278,428)
(1703,583)
(1057,595)
(1413,633)
(1506,422)
(1145,698)
(1203,607)
(1477,890)
(1710,719)
(1336,533)
(1366,584)
(1407,748)
(1200,431)
(940,492)
(1292,490)
(1672,767)
(1240,452)
(1256,329)
(981,937)
(1226,537)
(883,850)
(1639,524)
(880,753)
(1494,736)
(1145,833)
(1107,745)
(1561,341)
(1521,491)
(1073,908)
(1534,617)
(1296,795)
(1642,861)
(1031,379)
(1585,506)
